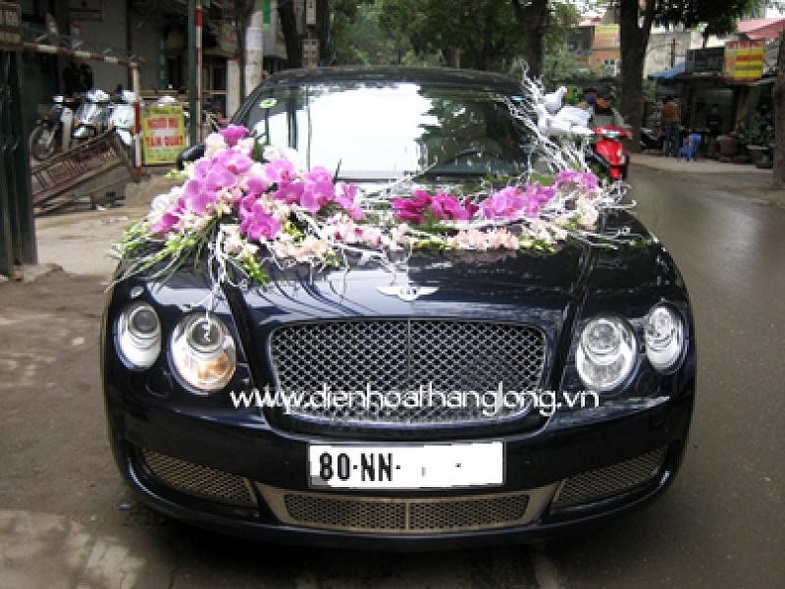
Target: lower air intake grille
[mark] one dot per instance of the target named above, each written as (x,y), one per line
(198,480)
(607,481)
(374,514)
(386,358)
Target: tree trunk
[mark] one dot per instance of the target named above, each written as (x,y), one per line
(294,44)
(634,39)
(778,165)
(326,52)
(534,18)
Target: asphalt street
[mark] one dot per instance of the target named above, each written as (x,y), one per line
(67,521)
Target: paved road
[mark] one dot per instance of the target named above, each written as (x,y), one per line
(66,520)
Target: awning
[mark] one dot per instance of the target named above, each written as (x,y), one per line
(761,28)
(670,73)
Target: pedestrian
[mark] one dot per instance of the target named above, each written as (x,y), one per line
(589,98)
(670,126)
(603,114)
(714,122)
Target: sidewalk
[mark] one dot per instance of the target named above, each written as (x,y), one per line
(701,166)
(79,241)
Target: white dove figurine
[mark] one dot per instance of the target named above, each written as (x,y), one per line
(553,100)
(550,125)
(578,119)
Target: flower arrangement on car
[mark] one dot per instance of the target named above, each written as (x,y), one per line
(250,206)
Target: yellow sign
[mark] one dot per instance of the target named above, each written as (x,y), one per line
(744,60)
(163,134)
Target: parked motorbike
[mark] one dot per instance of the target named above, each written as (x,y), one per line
(52,131)
(608,153)
(92,116)
(650,140)
(123,118)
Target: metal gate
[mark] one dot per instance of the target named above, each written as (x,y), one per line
(17,226)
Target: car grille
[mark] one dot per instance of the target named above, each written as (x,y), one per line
(438,357)
(197,480)
(605,482)
(398,515)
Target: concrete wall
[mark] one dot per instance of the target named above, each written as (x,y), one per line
(108,33)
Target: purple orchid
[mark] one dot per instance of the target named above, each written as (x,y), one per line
(318,174)
(316,195)
(233,133)
(504,204)
(279,171)
(583,180)
(234,161)
(289,192)
(345,196)
(170,218)
(198,196)
(256,223)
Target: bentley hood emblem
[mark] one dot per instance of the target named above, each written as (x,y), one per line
(407,292)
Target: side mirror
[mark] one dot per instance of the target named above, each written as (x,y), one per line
(189,154)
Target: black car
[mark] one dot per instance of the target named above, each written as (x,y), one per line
(382,395)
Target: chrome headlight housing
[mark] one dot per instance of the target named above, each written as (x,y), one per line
(138,335)
(664,337)
(606,352)
(203,352)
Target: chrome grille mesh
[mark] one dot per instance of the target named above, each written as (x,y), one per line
(198,480)
(610,480)
(373,514)
(402,356)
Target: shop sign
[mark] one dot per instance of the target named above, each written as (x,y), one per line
(705,60)
(744,60)
(163,134)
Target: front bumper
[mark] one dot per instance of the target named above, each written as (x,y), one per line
(246,479)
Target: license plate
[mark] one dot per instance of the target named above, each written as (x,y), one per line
(410,466)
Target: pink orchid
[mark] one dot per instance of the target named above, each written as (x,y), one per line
(279,171)
(233,133)
(256,223)
(504,204)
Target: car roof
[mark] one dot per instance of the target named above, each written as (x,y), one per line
(439,76)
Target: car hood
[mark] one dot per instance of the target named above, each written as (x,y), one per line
(502,285)
(429,283)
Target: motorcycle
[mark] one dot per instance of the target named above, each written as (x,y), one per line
(608,154)
(122,118)
(651,140)
(52,131)
(92,116)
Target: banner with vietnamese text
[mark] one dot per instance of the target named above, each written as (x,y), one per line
(163,134)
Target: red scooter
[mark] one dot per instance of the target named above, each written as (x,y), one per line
(609,154)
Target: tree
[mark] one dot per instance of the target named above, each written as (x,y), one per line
(292,38)
(534,18)
(481,34)
(778,165)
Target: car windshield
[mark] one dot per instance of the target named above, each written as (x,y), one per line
(373,130)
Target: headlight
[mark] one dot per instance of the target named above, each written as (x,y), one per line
(139,335)
(664,335)
(203,352)
(606,352)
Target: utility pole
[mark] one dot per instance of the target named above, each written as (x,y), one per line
(195,69)
(17,226)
